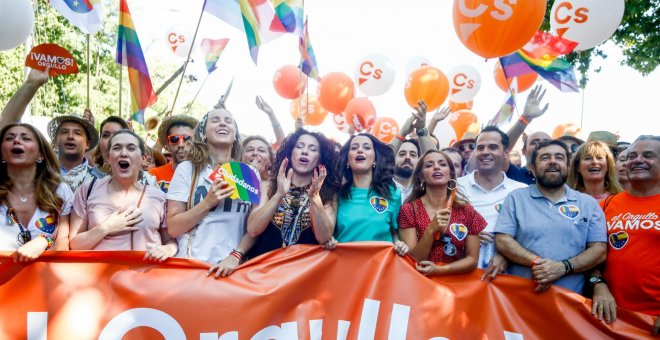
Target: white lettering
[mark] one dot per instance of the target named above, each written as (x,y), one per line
(315,329)
(471,12)
(399,323)
(289,330)
(505,11)
(37,325)
(342,329)
(142,317)
(369,319)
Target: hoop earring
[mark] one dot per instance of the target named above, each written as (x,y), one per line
(452,181)
(38,161)
(423,185)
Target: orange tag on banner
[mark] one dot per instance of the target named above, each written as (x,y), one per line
(54,56)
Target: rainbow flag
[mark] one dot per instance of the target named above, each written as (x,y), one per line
(505,113)
(129,54)
(308,64)
(258,16)
(212,50)
(540,55)
(290,13)
(87,15)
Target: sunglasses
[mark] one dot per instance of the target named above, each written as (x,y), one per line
(176,139)
(464,147)
(574,148)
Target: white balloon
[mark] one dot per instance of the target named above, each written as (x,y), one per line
(340,122)
(587,22)
(464,83)
(16,22)
(179,40)
(374,74)
(416,62)
(445,134)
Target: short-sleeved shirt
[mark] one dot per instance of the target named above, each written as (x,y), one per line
(163,174)
(405,191)
(42,223)
(488,204)
(98,207)
(522,175)
(464,221)
(554,231)
(632,269)
(223,227)
(366,216)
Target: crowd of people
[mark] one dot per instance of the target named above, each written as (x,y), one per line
(582,215)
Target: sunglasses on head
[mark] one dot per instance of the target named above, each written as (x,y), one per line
(574,148)
(176,139)
(464,147)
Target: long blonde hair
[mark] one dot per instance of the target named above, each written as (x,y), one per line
(47,178)
(594,149)
(419,190)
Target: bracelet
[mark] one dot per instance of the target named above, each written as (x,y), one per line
(568,265)
(50,241)
(401,138)
(422,132)
(237,254)
(276,125)
(523,120)
(534,259)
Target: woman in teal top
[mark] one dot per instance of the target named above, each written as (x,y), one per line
(369,201)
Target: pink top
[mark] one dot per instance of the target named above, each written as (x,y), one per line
(98,207)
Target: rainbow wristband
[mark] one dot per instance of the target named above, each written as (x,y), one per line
(50,241)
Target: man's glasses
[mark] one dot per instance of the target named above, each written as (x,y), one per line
(176,139)
(464,147)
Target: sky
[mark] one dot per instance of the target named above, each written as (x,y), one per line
(617,99)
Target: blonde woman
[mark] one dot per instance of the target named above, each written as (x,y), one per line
(592,171)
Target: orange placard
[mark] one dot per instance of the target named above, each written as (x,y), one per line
(358,291)
(54,56)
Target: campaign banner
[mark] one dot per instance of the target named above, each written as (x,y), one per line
(357,291)
(54,56)
(243,178)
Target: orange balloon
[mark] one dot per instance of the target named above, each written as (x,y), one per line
(496,28)
(360,113)
(312,112)
(335,90)
(429,84)
(525,82)
(385,128)
(289,82)
(566,129)
(453,106)
(464,121)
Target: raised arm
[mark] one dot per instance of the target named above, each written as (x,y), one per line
(439,116)
(423,134)
(261,216)
(13,111)
(532,111)
(323,216)
(277,128)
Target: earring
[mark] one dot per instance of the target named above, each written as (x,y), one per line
(348,166)
(423,185)
(4,161)
(39,161)
(373,165)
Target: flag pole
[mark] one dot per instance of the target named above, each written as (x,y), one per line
(121,72)
(197,94)
(88,70)
(185,66)
(582,110)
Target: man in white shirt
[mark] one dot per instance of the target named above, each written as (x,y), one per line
(486,188)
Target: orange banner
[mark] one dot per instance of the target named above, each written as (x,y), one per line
(358,291)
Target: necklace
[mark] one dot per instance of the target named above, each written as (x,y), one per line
(24,198)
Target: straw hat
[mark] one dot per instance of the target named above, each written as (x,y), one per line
(90,130)
(174,120)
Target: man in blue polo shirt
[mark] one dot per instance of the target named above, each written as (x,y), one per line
(549,232)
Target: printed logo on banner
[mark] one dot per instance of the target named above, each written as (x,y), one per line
(569,211)
(46,224)
(619,240)
(379,204)
(460,231)
(498,207)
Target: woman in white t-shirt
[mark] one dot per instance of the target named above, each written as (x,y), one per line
(119,211)
(34,201)
(207,224)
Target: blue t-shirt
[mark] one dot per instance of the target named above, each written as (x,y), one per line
(554,231)
(365,216)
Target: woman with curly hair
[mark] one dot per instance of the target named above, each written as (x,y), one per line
(437,222)
(34,201)
(592,171)
(298,205)
(369,200)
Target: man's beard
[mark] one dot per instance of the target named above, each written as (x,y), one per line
(403,172)
(552,183)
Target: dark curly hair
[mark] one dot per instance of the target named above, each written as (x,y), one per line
(327,157)
(382,181)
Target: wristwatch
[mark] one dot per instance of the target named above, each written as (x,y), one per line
(422,132)
(594,280)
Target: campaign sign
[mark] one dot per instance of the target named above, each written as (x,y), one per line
(243,178)
(54,56)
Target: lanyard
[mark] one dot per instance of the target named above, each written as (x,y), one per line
(24,235)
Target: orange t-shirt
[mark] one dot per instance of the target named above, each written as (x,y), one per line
(163,174)
(632,269)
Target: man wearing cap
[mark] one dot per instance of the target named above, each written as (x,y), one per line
(175,134)
(572,142)
(486,188)
(73,135)
(466,145)
(549,232)
(632,272)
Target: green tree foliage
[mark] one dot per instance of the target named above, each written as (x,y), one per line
(638,36)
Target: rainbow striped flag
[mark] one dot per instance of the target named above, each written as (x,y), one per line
(212,50)
(129,54)
(257,15)
(541,55)
(308,64)
(505,113)
(290,13)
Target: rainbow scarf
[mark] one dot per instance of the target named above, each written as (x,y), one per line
(290,13)
(129,54)
(212,50)
(308,64)
(540,55)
